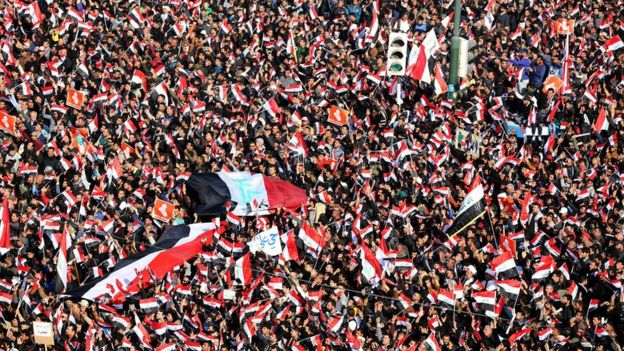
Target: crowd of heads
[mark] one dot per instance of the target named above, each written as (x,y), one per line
(179,87)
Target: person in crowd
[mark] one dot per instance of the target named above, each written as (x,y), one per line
(108,106)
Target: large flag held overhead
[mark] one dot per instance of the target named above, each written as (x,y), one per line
(176,245)
(244,193)
(472,208)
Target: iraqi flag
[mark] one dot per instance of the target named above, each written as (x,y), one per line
(176,245)
(550,144)
(371,268)
(74,14)
(238,94)
(485,298)
(291,48)
(519,334)
(573,290)
(61,261)
(159,70)
(509,288)
(290,251)
(35,14)
(149,305)
(593,304)
(139,78)
(114,171)
(271,107)
(160,90)
(225,26)
(335,323)
(167,347)
(612,44)
(249,328)
(600,332)
(70,199)
(544,268)
(431,343)
(245,193)
(544,333)
(504,264)
(601,123)
(298,145)
(5,227)
(313,14)
(439,84)
(517,34)
(311,237)
(135,17)
(142,333)
(59,108)
(6,298)
(447,297)
(242,270)
(472,208)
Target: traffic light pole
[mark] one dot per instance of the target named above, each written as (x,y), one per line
(455,42)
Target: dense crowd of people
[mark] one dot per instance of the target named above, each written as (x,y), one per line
(163,89)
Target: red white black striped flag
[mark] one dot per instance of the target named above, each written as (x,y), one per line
(176,245)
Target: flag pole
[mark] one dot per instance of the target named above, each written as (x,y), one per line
(468,225)
(324,262)
(491,226)
(558,142)
(513,318)
(487,210)
(318,253)
(454,304)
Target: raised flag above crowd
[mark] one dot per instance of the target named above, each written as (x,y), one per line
(250,175)
(242,193)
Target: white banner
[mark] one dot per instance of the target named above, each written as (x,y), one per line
(267,242)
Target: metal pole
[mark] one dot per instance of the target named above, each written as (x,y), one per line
(455,42)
